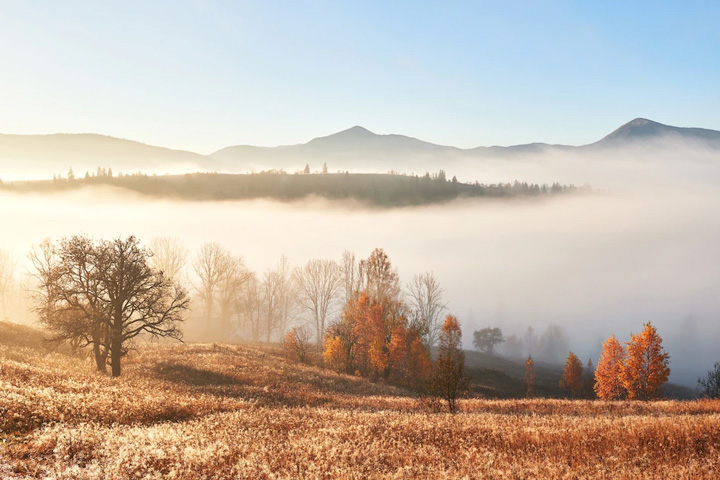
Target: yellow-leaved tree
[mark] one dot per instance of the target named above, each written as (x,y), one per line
(448,380)
(608,374)
(646,367)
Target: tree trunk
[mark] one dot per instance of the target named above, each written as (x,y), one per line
(100,356)
(115,354)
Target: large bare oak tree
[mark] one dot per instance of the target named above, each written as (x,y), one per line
(105,294)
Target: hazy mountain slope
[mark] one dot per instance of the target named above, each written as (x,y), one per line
(49,154)
(360,149)
(644,130)
(355,149)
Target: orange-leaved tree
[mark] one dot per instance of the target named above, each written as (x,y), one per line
(608,374)
(335,354)
(529,377)
(345,342)
(297,344)
(572,379)
(448,379)
(646,367)
(409,359)
(373,336)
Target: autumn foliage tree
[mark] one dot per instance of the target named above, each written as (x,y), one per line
(409,361)
(608,374)
(529,377)
(646,367)
(376,341)
(297,344)
(572,379)
(448,379)
(373,336)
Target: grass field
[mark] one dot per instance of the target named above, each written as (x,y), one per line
(227,411)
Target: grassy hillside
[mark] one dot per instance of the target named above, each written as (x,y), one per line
(218,411)
(495,376)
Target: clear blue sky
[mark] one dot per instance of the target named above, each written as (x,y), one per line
(201,75)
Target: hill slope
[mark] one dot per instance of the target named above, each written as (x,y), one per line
(49,154)
(218,411)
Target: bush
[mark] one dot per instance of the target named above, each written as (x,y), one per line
(297,345)
(710,385)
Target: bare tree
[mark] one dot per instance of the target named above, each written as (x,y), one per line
(8,263)
(319,283)
(278,298)
(381,278)
(137,298)
(106,294)
(288,297)
(271,288)
(169,256)
(710,385)
(352,281)
(427,305)
(210,264)
(68,295)
(251,307)
(234,276)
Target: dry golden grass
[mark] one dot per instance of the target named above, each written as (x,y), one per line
(203,411)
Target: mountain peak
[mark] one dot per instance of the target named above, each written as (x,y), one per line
(638,128)
(642,122)
(644,129)
(353,134)
(357,129)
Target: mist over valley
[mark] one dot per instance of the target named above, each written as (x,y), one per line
(639,246)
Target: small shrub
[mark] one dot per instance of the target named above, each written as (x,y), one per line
(297,345)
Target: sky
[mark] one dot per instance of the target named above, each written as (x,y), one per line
(202,75)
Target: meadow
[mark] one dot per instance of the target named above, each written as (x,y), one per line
(191,411)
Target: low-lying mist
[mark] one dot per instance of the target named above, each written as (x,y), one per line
(646,247)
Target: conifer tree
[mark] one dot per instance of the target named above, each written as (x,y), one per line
(588,380)
(608,374)
(572,379)
(530,377)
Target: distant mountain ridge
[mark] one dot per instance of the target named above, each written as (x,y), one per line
(644,129)
(355,149)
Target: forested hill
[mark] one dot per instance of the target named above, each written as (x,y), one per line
(383,190)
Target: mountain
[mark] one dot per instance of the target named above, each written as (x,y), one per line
(644,130)
(46,155)
(355,149)
(347,150)
(358,148)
